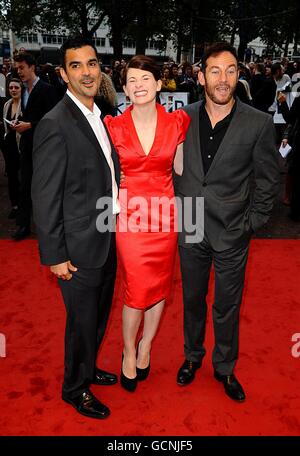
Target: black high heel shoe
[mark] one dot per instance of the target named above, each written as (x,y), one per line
(141,374)
(128,383)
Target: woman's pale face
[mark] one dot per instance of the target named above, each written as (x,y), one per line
(14,90)
(141,86)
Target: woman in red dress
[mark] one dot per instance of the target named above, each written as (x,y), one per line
(146,139)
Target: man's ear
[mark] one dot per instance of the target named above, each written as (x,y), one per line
(33,68)
(64,75)
(201,78)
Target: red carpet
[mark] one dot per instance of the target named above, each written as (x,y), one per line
(32,320)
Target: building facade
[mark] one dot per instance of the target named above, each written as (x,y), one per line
(45,45)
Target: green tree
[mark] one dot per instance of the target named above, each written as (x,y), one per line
(19,15)
(186,22)
(238,17)
(193,23)
(150,19)
(281,25)
(76,15)
(119,14)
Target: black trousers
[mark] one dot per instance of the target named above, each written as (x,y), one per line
(295,173)
(25,204)
(229,268)
(87,297)
(12,165)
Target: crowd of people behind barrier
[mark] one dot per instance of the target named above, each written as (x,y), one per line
(271,87)
(258,82)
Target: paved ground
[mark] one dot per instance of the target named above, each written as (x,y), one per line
(279,225)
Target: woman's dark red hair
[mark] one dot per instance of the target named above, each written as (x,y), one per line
(142,62)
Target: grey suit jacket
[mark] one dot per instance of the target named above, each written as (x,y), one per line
(234,206)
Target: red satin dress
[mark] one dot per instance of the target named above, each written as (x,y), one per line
(146,234)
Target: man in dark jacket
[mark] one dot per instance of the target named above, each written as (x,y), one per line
(38,98)
(76,171)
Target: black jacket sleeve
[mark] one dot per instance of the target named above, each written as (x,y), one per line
(49,170)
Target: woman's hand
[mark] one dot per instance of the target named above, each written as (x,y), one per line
(20,127)
(281,97)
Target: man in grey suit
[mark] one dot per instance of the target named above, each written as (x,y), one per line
(226,144)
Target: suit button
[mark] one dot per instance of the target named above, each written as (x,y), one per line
(204,184)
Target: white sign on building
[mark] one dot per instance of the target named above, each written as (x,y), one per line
(173,100)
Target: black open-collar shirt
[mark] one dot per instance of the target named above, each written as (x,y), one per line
(211,138)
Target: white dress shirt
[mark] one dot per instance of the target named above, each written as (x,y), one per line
(94,119)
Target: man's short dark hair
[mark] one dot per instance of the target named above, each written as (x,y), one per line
(276,67)
(215,49)
(260,67)
(74,42)
(25,57)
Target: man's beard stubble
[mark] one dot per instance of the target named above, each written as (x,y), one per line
(210,93)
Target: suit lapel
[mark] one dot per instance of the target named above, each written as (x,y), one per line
(196,135)
(225,144)
(84,127)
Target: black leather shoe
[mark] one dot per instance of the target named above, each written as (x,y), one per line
(128,383)
(142,374)
(88,405)
(104,378)
(232,387)
(21,233)
(186,373)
